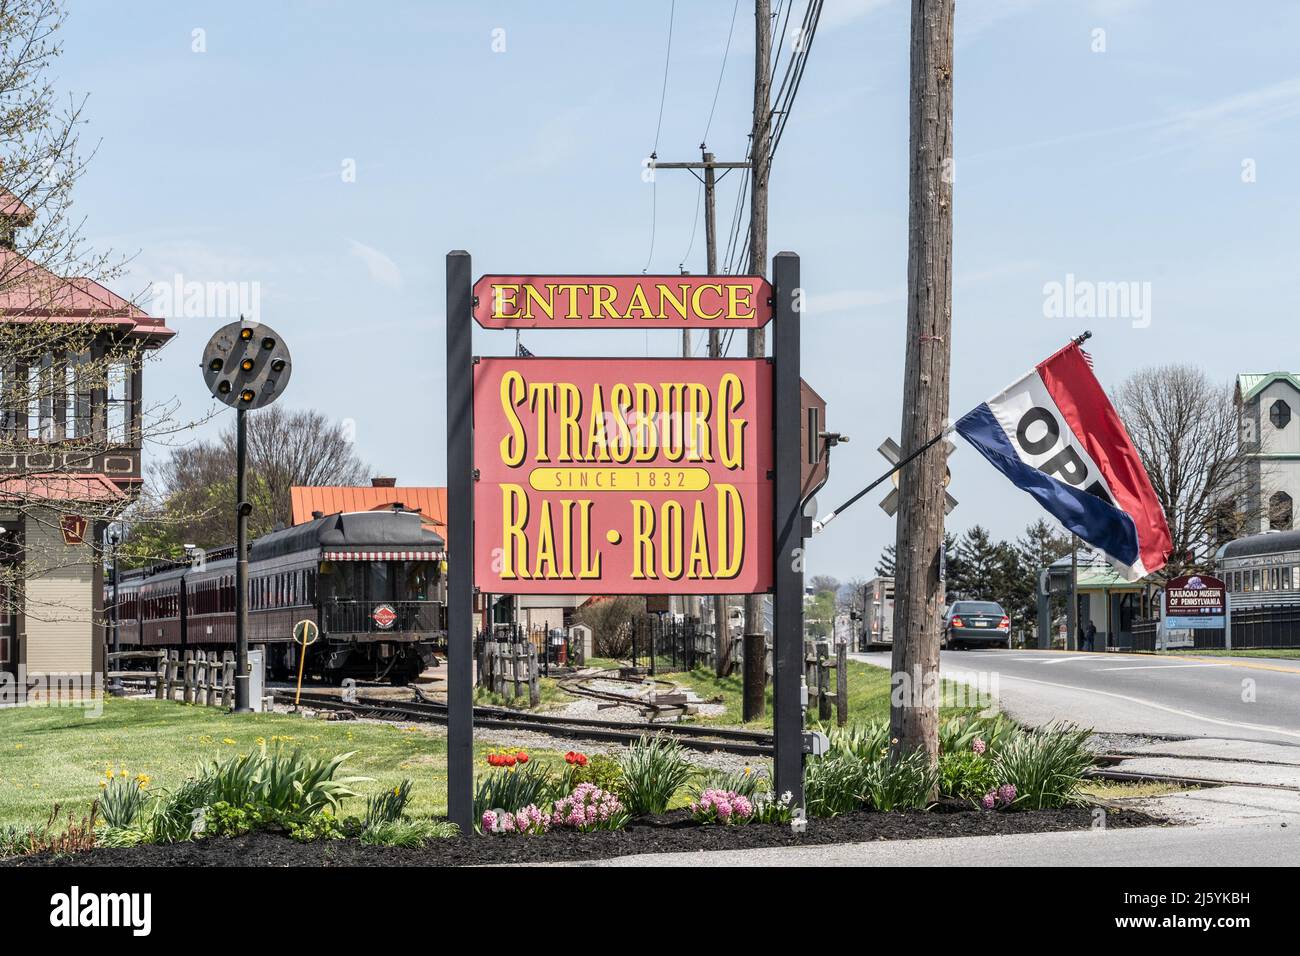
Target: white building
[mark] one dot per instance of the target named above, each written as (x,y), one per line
(1268,409)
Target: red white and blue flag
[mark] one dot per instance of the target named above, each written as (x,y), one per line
(1056,435)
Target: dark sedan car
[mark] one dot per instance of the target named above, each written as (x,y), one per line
(976,622)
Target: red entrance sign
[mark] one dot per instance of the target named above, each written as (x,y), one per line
(622,302)
(602,476)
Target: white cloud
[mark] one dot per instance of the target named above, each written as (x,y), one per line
(381,268)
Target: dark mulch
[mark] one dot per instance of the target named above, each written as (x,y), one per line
(674,832)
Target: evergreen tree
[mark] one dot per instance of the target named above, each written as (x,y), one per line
(885,566)
(980,565)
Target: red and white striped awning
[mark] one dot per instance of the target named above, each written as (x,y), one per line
(384,555)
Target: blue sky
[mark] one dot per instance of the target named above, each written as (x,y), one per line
(1120,165)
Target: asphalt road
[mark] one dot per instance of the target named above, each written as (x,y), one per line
(1233,699)
(1271,845)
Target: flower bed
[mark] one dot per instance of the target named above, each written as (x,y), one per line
(673,832)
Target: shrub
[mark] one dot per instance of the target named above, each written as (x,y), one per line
(1045,767)
(318,826)
(966,775)
(654,769)
(530,820)
(611,621)
(960,734)
(769,808)
(122,799)
(749,783)
(119,837)
(904,783)
(722,806)
(589,808)
(407,833)
(866,741)
(180,814)
(602,770)
(388,806)
(15,840)
(833,784)
(512,789)
(294,783)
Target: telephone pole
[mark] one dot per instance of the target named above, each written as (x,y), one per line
(760,155)
(708,165)
(918,582)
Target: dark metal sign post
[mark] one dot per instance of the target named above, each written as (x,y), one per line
(460,529)
(790,531)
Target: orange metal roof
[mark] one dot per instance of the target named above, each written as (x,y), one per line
(431,502)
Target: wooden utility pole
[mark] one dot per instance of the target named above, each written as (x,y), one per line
(709,165)
(760,156)
(918,584)
(721,627)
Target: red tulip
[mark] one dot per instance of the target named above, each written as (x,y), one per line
(509,761)
(570,757)
(522,757)
(582,760)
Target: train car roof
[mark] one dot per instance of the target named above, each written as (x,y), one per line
(1270,542)
(385,530)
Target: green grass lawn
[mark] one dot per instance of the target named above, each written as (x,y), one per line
(59,755)
(868,694)
(1289,653)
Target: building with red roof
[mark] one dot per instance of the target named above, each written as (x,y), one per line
(71,383)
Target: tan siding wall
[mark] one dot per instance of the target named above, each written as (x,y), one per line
(58,599)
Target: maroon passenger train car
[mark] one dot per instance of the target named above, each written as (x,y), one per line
(373,581)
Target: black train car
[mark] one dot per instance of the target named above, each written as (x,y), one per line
(373,581)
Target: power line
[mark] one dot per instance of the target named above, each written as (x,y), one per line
(722,71)
(654,153)
(717,89)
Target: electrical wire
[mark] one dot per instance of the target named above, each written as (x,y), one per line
(654,153)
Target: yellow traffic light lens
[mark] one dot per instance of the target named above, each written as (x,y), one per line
(268,343)
(245,334)
(246,395)
(246,365)
(216,365)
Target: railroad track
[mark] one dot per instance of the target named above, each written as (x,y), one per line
(724,739)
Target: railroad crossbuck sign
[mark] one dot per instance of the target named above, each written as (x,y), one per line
(609,477)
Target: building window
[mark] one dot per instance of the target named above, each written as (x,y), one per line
(1279,512)
(1279,414)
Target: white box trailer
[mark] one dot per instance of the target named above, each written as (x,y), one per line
(878,614)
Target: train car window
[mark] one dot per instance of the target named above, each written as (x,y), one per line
(379,582)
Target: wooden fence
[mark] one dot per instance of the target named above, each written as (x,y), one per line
(510,668)
(819,659)
(197,677)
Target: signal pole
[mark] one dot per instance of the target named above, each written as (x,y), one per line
(760,153)
(918,584)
